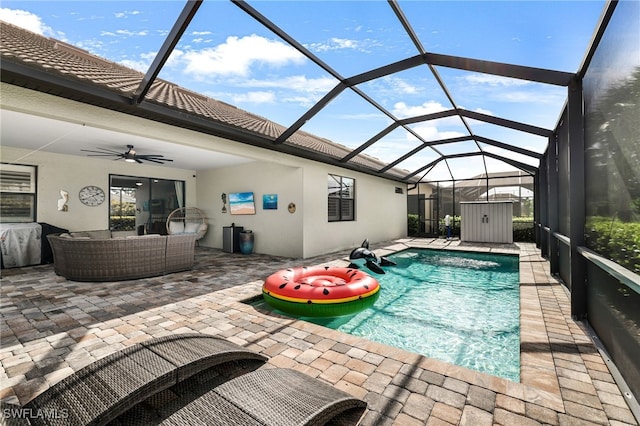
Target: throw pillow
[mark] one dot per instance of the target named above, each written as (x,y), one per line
(176,227)
(191,227)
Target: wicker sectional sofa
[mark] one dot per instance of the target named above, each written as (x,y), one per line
(97,256)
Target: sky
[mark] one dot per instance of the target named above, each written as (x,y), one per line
(227,55)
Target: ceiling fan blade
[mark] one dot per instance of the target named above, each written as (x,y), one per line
(103,151)
(128,155)
(153,157)
(153,160)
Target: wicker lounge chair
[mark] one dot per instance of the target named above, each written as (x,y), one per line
(103,390)
(187,220)
(273,397)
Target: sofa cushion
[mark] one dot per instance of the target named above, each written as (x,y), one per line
(136,237)
(100,234)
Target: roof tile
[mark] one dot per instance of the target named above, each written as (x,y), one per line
(55,56)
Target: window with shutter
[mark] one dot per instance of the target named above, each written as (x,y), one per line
(341,202)
(17,193)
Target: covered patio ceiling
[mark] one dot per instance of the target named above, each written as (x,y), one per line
(423,115)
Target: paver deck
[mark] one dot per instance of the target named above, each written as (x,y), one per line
(50,327)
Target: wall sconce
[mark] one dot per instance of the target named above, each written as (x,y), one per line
(139,183)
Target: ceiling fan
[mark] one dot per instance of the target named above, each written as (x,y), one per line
(129,156)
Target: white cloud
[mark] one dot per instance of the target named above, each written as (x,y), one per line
(254,98)
(483,111)
(26,20)
(141,64)
(127,13)
(200,33)
(430,132)
(400,85)
(493,80)
(344,43)
(335,43)
(403,110)
(237,56)
(125,33)
(540,97)
(298,89)
(299,83)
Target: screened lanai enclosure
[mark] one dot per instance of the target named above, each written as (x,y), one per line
(429,202)
(423,110)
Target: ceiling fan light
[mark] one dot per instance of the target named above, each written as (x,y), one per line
(129,160)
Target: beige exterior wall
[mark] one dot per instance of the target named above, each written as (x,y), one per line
(276,232)
(71,173)
(380,212)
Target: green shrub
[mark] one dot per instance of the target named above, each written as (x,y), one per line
(523,230)
(616,240)
(123,223)
(413,225)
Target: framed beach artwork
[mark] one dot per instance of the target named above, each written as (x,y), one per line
(270,202)
(242,203)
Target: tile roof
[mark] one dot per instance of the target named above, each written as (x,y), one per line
(56,57)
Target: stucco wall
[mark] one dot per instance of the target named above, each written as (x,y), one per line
(381,214)
(71,173)
(276,232)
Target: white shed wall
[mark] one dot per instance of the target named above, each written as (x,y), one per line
(486,222)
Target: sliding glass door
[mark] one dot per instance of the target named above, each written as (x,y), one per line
(143,204)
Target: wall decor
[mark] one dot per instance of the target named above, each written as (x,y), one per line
(292,208)
(270,202)
(91,195)
(242,203)
(62,202)
(224,202)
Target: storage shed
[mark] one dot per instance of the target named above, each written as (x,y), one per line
(487,222)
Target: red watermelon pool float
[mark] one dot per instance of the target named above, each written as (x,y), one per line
(320,291)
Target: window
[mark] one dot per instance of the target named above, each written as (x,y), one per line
(17,193)
(143,204)
(342,193)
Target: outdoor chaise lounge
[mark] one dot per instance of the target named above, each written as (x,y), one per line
(102,391)
(273,397)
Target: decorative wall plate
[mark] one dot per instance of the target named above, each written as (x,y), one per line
(91,196)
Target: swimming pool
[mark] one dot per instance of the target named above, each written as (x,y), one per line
(458,307)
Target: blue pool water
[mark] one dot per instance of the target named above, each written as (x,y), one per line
(458,307)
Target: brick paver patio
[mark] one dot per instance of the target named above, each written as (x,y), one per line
(51,327)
